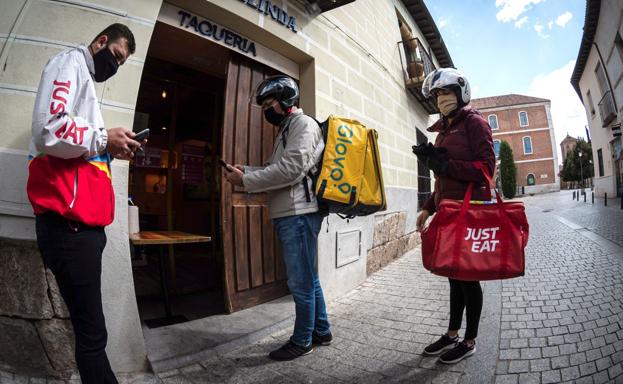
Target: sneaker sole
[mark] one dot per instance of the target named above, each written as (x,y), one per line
(324,343)
(437,352)
(292,358)
(468,354)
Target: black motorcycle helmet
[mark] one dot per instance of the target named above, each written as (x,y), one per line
(281,88)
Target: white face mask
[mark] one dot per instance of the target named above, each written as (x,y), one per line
(447,103)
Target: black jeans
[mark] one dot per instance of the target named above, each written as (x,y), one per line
(465,295)
(74,254)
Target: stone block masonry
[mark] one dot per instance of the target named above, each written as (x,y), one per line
(390,241)
(35,332)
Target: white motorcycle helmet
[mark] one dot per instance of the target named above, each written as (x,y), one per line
(447,78)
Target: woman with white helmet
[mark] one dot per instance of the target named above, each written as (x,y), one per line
(464,138)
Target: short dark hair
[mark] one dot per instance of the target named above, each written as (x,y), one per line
(117,31)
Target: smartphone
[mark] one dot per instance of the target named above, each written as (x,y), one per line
(224,164)
(142,135)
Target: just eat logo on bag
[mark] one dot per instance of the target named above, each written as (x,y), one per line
(483,239)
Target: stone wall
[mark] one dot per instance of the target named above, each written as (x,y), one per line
(35,332)
(390,240)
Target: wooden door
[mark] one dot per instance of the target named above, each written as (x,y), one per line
(254,269)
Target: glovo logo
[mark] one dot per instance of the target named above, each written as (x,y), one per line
(483,239)
(345,133)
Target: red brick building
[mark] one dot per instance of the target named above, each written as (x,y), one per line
(525,122)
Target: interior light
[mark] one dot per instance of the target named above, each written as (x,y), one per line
(164,94)
(164,128)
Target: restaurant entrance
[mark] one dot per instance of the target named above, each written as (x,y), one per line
(194,97)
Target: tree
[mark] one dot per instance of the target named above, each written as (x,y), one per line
(571,169)
(508,171)
(568,173)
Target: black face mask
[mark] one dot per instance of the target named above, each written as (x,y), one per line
(105,65)
(273,117)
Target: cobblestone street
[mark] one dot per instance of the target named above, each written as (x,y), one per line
(561,322)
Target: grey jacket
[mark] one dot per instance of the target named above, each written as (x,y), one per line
(282,176)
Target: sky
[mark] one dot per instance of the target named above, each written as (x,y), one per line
(528,47)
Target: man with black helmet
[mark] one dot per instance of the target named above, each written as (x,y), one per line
(464,138)
(293,208)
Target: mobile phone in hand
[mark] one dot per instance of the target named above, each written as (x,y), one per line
(142,135)
(224,164)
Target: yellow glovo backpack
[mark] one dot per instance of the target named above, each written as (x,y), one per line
(350,178)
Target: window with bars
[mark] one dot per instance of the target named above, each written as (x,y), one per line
(527,145)
(493,121)
(496,147)
(423,175)
(523,119)
(590,102)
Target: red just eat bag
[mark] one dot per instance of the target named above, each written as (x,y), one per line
(466,241)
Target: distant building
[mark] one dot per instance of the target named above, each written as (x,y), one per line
(525,122)
(565,146)
(597,80)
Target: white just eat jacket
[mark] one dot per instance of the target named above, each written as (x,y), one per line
(69,169)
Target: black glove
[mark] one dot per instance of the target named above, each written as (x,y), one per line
(436,159)
(423,150)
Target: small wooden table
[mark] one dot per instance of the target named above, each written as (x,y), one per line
(164,239)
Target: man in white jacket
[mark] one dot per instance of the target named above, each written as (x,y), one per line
(70,188)
(293,208)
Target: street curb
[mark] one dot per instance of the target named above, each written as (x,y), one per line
(604,243)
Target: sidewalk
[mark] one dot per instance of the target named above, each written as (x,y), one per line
(603,220)
(560,323)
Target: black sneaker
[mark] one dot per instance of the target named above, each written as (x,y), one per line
(445,342)
(290,351)
(322,340)
(458,353)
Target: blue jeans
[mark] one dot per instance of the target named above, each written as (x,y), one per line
(299,246)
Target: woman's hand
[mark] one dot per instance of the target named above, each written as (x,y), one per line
(421,220)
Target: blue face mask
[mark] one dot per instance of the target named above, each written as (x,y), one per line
(106,65)
(273,117)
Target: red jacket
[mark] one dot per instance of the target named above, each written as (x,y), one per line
(468,139)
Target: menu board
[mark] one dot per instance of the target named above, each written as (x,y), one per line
(192,164)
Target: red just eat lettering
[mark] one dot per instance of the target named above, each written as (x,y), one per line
(75,132)
(59,87)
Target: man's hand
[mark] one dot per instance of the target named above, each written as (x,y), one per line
(421,220)
(235,175)
(120,143)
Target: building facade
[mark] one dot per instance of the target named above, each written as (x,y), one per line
(598,81)
(191,81)
(526,124)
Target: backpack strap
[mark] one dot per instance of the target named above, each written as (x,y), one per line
(284,134)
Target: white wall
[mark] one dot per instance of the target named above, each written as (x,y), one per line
(600,136)
(610,21)
(31,31)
